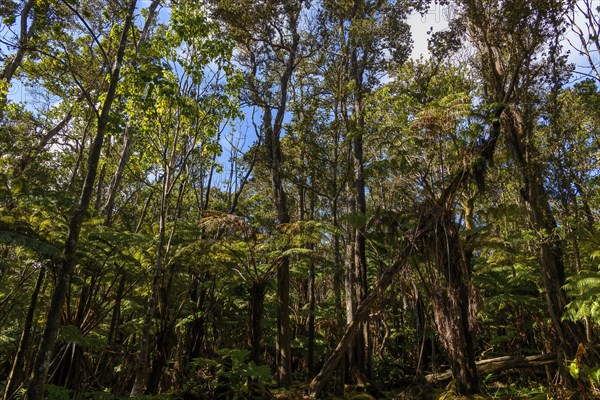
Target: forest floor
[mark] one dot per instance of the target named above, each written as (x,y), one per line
(495,390)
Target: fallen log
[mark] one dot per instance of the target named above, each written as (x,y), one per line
(493,365)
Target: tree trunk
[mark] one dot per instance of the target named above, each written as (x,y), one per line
(349,278)
(567,334)
(283,343)
(273,146)
(338,269)
(81,150)
(42,362)
(100,187)
(283,340)
(142,369)
(360,255)
(17,374)
(256,305)
(105,367)
(311,315)
(451,300)
(197,330)
(272,129)
(115,182)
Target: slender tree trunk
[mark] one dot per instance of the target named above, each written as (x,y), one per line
(105,366)
(80,152)
(337,258)
(339,276)
(256,305)
(115,182)
(337,283)
(283,340)
(349,289)
(360,257)
(197,329)
(360,359)
(100,187)
(587,211)
(312,300)
(273,146)
(272,129)
(142,369)
(236,196)
(138,226)
(311,315)
(42,362)
(349,292)
(17,373)
(283,344)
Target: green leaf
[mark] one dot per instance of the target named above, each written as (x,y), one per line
(41,247)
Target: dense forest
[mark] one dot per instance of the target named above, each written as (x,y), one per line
(260,199)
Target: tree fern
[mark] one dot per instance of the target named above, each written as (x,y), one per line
(29,240)
(584,290)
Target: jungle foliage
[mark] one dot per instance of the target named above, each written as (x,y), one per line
(219,199)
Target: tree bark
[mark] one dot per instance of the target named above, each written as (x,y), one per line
(450,300)
(311,315)
(360,253)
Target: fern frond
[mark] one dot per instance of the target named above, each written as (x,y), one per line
(37,245)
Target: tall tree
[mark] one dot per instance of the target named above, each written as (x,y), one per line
(424,132)
(509,36)
(42,362)
(268,37)
(369,36)
(183,112)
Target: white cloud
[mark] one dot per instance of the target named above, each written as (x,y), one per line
(436,18)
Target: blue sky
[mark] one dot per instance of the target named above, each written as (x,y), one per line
(437,18)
